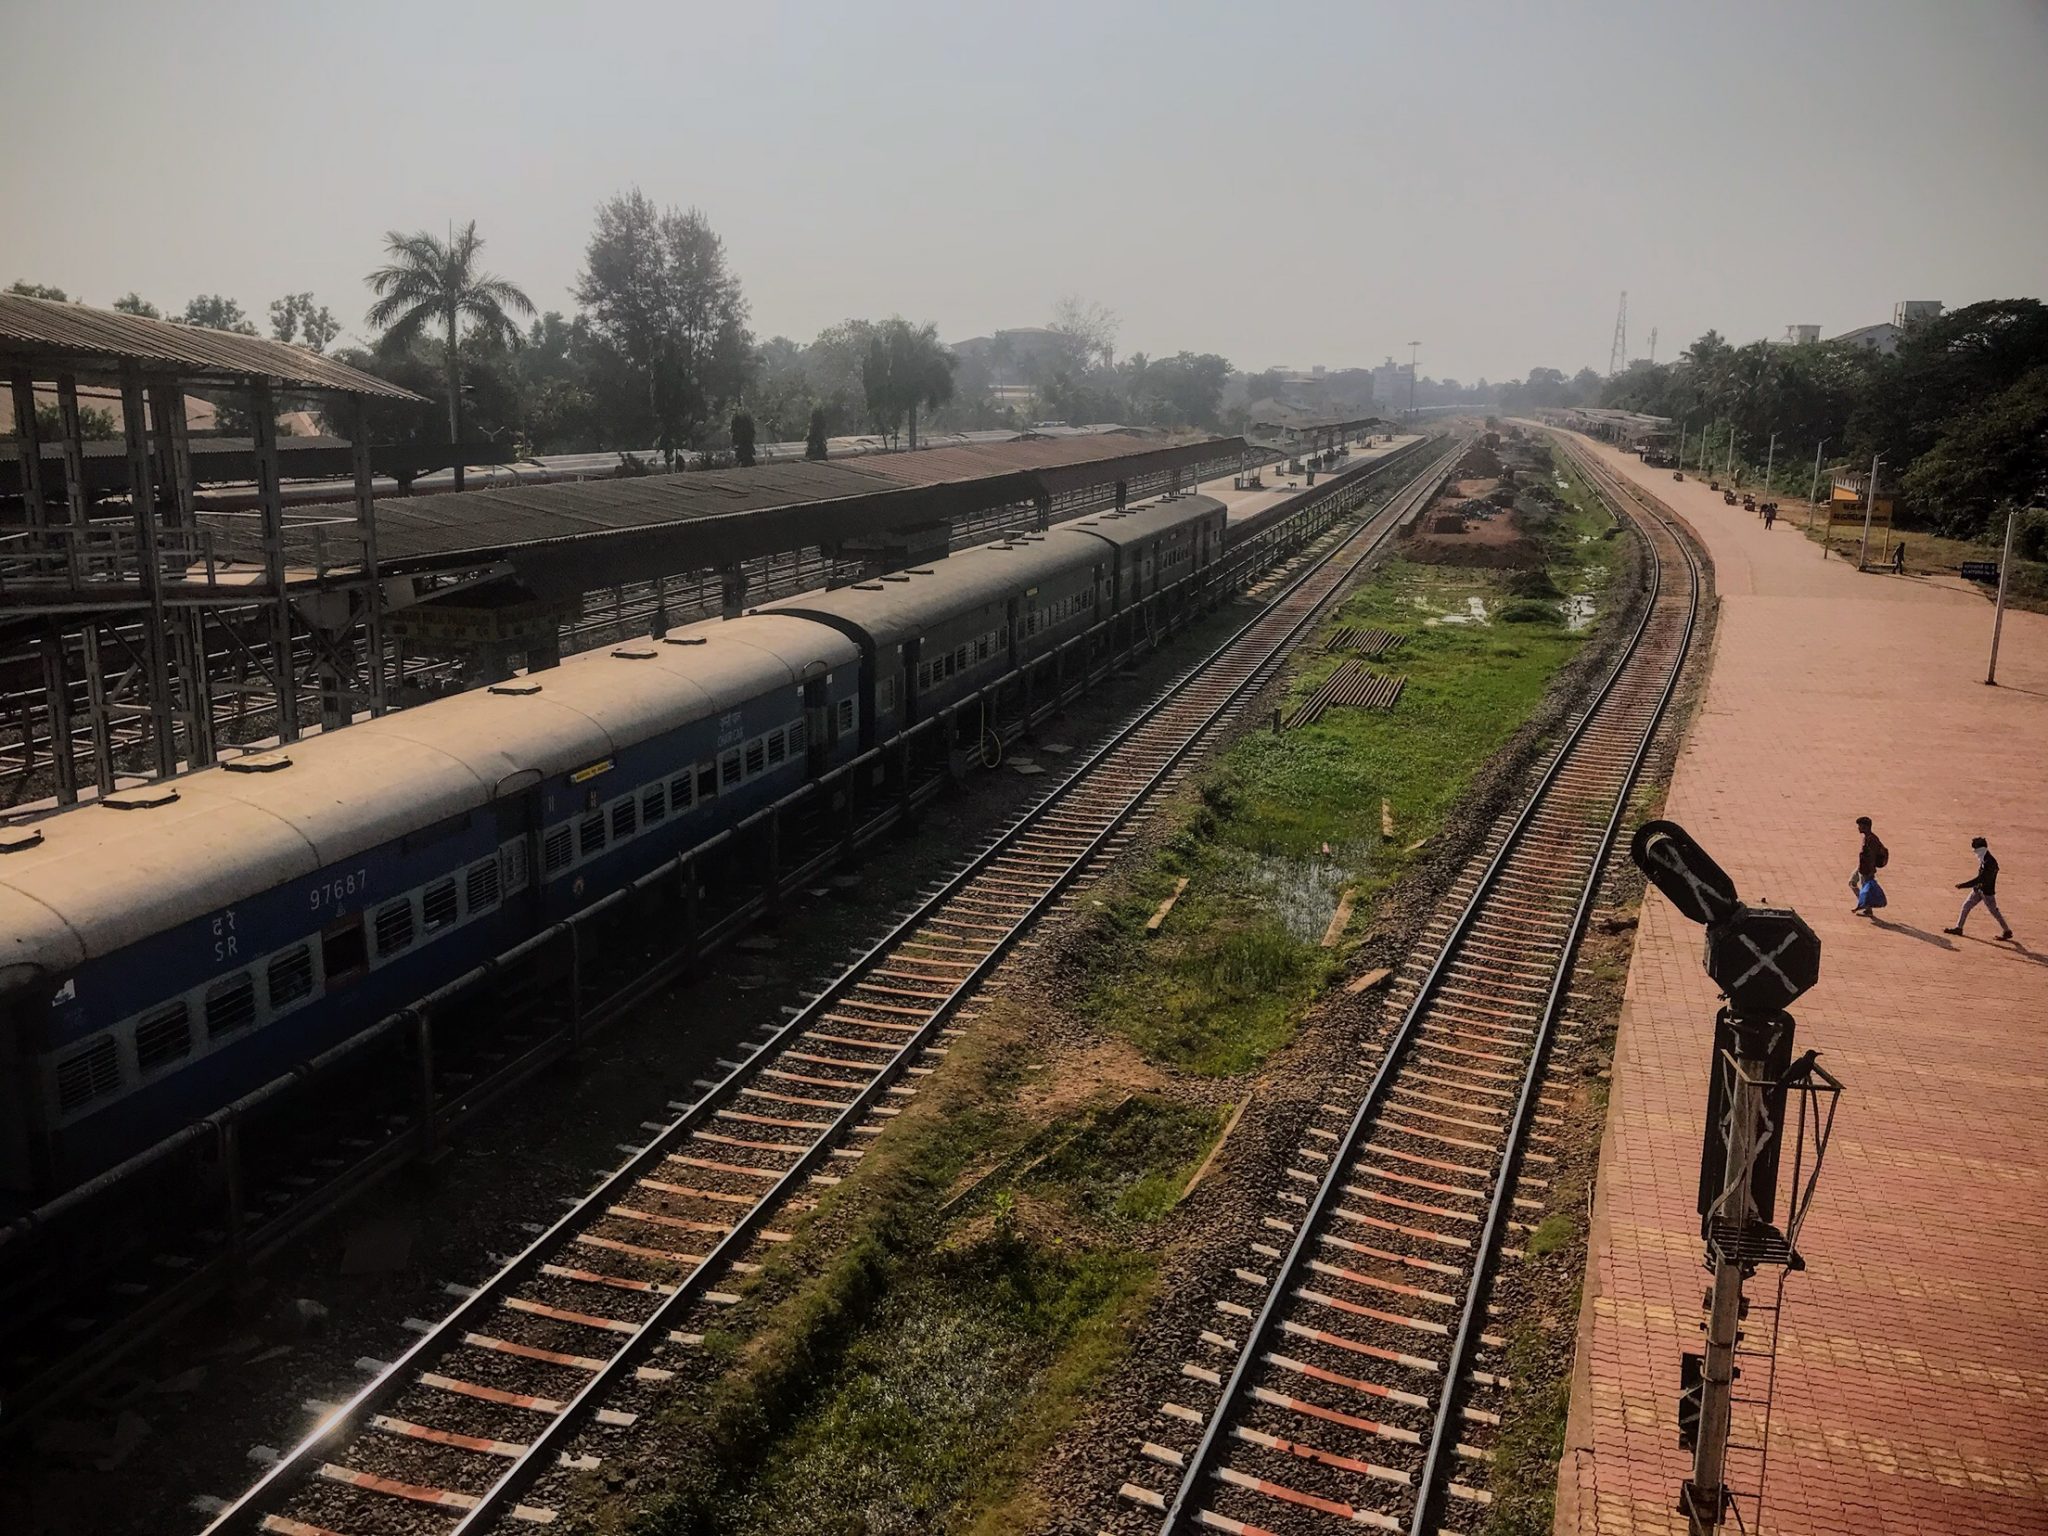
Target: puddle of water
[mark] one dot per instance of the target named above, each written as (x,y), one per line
(1303,893)
(1474,612)
(1578,611)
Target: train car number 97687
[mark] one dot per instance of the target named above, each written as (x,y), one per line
(333,893)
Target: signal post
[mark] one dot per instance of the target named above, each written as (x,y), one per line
(1763,958)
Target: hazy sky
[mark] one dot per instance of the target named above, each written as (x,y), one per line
(1285,184)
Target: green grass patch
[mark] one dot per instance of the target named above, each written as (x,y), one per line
(1552,1233)
(932,1413)
(1127,1165)
(938,1322)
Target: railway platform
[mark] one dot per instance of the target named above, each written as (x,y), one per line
(1912,1379)
(1279,485)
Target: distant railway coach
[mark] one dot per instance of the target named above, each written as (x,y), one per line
(170,948)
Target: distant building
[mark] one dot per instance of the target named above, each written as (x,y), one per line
(1881,337)
(1884,335)
(1801,335)
(1016,356)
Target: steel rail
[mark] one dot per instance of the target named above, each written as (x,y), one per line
(1200,1466)
(540,1454)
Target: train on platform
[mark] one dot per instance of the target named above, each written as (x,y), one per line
(171,947)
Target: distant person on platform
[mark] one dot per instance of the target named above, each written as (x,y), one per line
(1870,858)
(1770,515)
(1899,562)
(1982,886)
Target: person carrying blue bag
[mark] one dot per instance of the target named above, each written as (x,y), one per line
(1870,858)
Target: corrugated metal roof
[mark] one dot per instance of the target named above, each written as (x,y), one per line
(730,513)
(42,330)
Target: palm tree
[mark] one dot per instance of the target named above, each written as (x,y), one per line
(429,281)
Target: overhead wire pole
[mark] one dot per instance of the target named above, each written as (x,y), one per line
(1813,491)
(1414,350)
(2012,518)
(1869,506)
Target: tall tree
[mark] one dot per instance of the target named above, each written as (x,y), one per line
(906,368)
(657,288)
(1086,331)
(743,439)
(133,303)
(29,290)
(295,317)
(814,439)
(431,282)
(217,313)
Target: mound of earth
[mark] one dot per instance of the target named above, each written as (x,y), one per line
(1474,534)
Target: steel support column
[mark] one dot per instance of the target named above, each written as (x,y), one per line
(366,535)
(278,609)
(176,509)
(156,638)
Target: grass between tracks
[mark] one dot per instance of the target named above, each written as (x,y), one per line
(942,1316)
(1288,822)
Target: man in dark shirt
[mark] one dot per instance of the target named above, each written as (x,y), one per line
(1982,886)
(1870,858)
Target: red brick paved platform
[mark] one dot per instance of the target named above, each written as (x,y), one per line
(1913,1365)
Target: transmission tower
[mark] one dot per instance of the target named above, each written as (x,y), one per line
(1653,344)
(1619,355)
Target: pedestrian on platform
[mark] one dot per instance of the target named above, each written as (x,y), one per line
(1899,560)
(1982,886)
(1871,856)
(1770,515)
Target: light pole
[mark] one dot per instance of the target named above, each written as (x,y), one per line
(2012,517)
(1681,445)
(1813,491)
(1869,507)
(1414,348)
(1770,457)
(1728,465)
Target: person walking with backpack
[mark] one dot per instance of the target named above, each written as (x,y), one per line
(1870,858)
(1982,886)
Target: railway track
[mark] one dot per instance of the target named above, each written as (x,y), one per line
(1350,1378)
(531,1372)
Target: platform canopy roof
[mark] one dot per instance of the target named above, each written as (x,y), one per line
(44,335)
(599,532)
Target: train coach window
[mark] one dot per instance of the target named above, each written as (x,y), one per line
(625,819)
(707,782)
(557,851)
(845,715)
(230,1005)
(729,768)
(795,728)
(590,836)
(344,952)
(163,1037)
(88,1074)
(776,749)
(757,756)
(394,926)
(290,978)
(654,805)
(438,907)
(483,886)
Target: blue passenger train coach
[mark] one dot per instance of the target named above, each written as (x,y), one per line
(171,947)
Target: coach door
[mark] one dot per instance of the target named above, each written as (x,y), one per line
(819,727)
